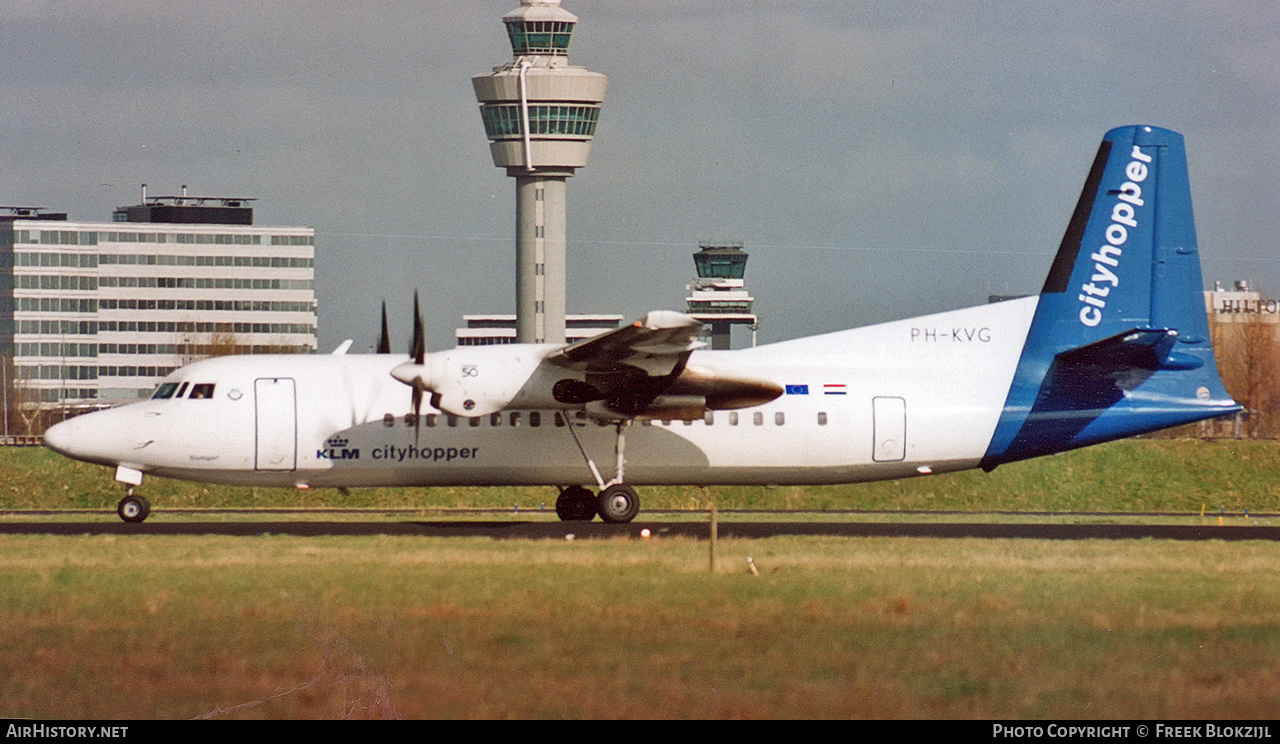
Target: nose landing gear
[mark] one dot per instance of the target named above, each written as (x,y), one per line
(133,508)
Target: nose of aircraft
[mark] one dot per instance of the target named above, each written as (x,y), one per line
(93,437)
(62,438)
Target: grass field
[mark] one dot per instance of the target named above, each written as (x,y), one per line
(282,627)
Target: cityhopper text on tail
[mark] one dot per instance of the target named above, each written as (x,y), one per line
(1116,344)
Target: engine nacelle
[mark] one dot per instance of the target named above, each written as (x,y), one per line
(676,408)
(707,385)
(723,386)
(664,407)
(472,381)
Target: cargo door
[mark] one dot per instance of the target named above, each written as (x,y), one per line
(277,425)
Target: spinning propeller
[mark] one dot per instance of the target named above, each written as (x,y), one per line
(384,341)
(412,372)
(418,351)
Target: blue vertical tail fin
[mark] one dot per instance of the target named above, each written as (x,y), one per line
(1119,344)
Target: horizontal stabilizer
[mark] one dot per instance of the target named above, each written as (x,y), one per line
(1142,348)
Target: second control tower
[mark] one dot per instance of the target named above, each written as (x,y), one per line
(540,115)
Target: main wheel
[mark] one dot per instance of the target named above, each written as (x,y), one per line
(576,504)
(133,508)
(618,503)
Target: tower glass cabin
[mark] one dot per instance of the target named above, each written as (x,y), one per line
(720,262)
(539,37)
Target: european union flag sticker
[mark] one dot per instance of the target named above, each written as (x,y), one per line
(797,390)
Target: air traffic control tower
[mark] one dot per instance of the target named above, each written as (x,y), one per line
(540,115)
(719,298)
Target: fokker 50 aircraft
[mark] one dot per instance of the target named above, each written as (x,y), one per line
(1116,344)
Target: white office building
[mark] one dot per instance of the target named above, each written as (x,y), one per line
(494,329)
(93,314)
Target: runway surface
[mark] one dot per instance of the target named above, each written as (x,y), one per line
(549,530)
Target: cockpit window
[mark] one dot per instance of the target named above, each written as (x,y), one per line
(202,390)
(165,391)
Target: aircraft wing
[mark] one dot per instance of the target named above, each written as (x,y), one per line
(627,369)
(658,340)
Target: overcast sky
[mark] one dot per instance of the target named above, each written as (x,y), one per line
(877,159)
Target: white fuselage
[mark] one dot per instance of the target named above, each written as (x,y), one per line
(886,401)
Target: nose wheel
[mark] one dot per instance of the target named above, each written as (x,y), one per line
(133,508)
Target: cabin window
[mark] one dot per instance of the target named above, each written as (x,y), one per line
(203,390)
(453,420)
(432,418)
(515,418)
(411,419)
(535,418)
(559,419)
(733,418)
(779,418)
(474,421)
(757,418)
(822,418)
(165,391)
(495,419)
(709,417)
(389,420)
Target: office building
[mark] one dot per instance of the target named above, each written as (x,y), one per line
(489,330)
(93,314)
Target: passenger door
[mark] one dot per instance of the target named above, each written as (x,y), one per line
(276,428)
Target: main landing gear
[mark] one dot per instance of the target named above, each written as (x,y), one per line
(617,501)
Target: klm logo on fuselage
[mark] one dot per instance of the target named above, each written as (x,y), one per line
(335,448)
(1124,217)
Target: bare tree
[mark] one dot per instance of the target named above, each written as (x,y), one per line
(1247,360)
(223,343)
(23,414)
(9,393)
(195,346)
